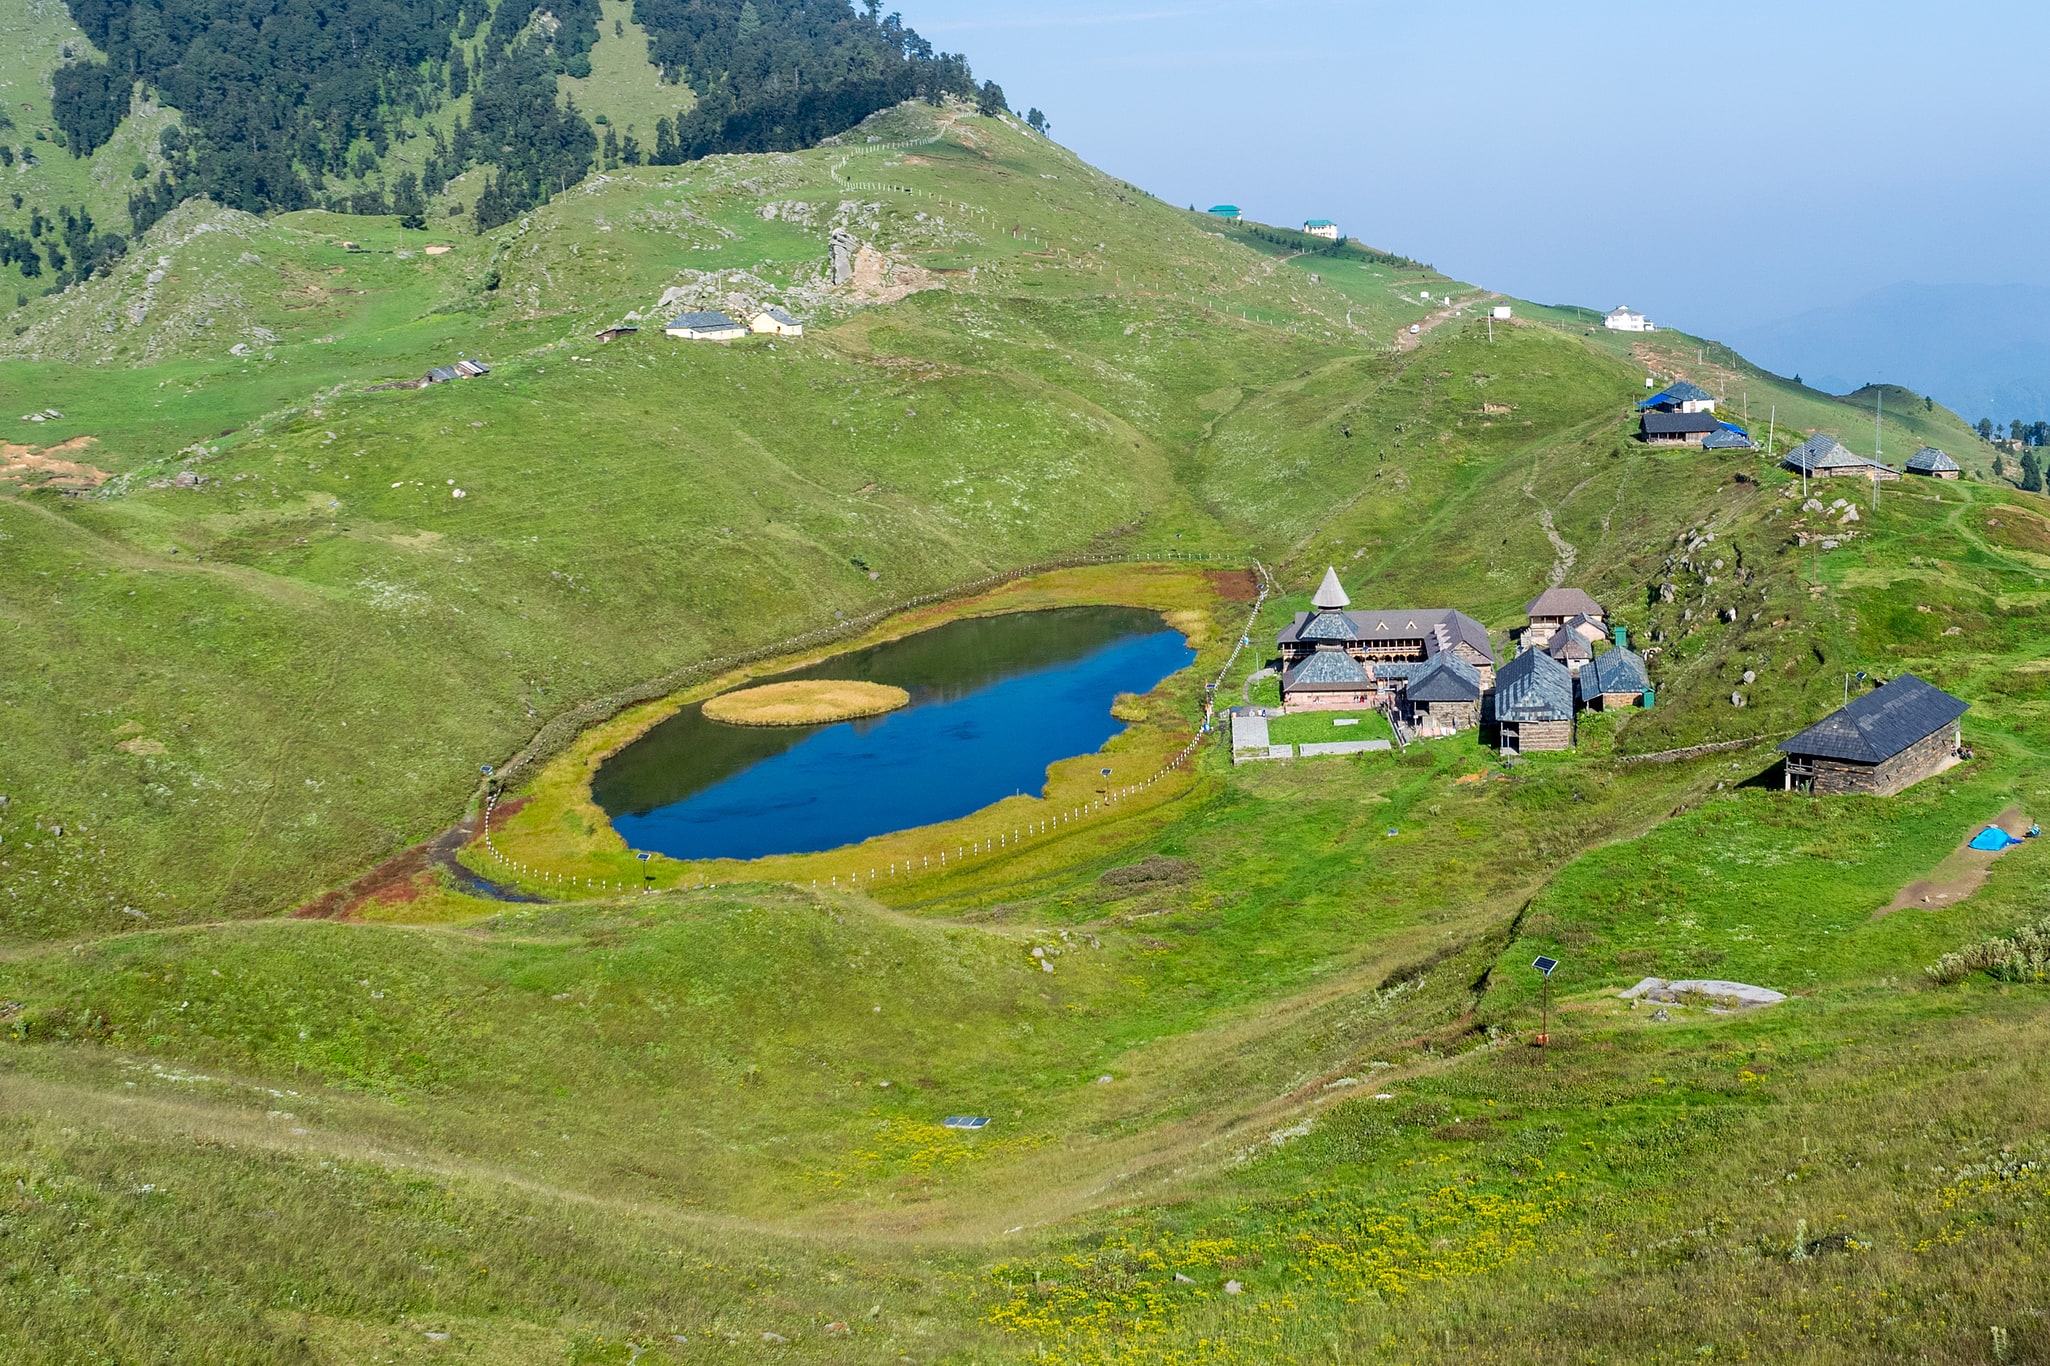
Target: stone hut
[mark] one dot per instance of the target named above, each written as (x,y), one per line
(1932,463)
(1444,696)
(1533,704)
(1886,741)
(1613,679)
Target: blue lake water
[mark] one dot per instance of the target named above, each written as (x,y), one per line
(994,701)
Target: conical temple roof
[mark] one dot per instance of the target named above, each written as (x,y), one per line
(1330,594)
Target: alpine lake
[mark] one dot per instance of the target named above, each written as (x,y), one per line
(994,701)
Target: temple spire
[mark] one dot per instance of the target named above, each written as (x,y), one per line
(1330,594)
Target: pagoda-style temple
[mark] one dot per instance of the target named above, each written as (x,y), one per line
(1341,656)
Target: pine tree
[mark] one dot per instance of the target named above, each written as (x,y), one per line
(2032,472)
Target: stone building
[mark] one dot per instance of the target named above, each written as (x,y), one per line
(1533,704)
(1884,742)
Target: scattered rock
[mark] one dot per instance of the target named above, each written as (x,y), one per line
(1180,1279)
(1232,1287)
(1750,677)
(837,1330)
(1103,1079)
(1737,700)
(774,1337)
(1660,1016)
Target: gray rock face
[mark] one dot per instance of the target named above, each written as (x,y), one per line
(844,247)
(1704,991)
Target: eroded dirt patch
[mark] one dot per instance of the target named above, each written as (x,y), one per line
(1960,874)
(27,467)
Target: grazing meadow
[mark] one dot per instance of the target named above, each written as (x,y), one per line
(286,1076)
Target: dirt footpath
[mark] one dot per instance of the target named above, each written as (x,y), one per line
(1960,874)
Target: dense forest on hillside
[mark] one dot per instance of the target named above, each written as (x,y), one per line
(289,104)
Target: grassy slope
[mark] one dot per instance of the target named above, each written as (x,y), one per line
(680,1098)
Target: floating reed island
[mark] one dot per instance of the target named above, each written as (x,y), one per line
(808,702)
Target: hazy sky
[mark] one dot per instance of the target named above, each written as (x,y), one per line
(1716,165)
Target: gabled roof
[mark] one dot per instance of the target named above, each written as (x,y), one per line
(1930,460)
(1225,210)
(1439,628)
(1567,644)
(1614,671)
(1562,603)
(1330,593)
(1588,626)
(1824,452)
(1728,437)
(1327,668)
(1534,687)
(706,321)
(1445,678)
(1320,223)
(1680,391)
(777,315)
(1880,724)
(1679,424)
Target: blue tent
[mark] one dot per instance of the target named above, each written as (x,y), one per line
(1993,839)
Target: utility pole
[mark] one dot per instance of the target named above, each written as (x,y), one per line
(1878,437)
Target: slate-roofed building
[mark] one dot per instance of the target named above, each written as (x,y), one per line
(775,322)
(1555,607)
(1728,436)
(1612,679)
(1884,742)
(1681,396)
(1659,428)
(1570,648)
(1533,704)
(1824,457)
(1444,696)
(1384,645)
(706,325)
(1932,463)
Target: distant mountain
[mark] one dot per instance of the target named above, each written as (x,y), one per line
(1981,350)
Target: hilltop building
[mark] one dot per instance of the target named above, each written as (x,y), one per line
(1931,463)
(708,325)
(1444,697)
(615,333)
(1680,397)
(1228,212)
(1624,319)
(1335,657)
(1658,428)
(1322,227)
(1824,457)
(1886,741)
(1728,436)
(774,322)
(1533,704)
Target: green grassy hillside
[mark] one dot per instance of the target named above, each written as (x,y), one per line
(1266,1090)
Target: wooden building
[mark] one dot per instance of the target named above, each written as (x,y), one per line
(1338,655)
(1932,463)
(1533,704)
(1555,607)
(1886,741)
